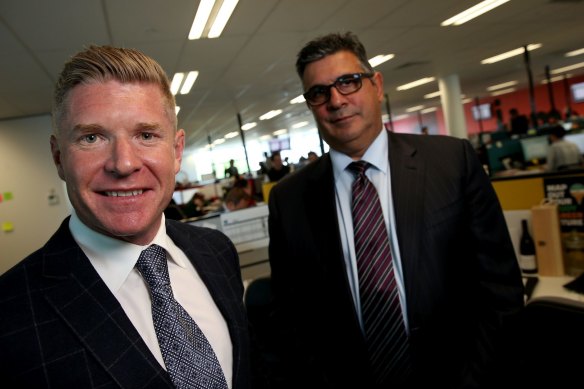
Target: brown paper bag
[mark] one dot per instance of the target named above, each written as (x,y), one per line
(545,223)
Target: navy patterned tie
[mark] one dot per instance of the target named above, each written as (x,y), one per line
(384,327)
(188,355)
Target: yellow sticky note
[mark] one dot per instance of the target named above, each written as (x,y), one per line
(7,227)
(7,196)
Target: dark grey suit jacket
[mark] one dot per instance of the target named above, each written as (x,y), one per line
(460,272)
(61,327)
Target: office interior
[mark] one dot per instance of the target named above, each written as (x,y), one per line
(245,104)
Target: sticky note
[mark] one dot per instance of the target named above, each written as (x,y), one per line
(8,196)
(7,227)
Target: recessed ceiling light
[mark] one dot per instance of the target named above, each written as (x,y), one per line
(428,110)
(501,86)
(298,99)
(473,12)
(248,126)
(280,132)
(503,92)
(205,10)
(416,83)
(575,53)
(567,68)
(271,114)
(432,95)
(299,124)
(232,134)
(379,59)
(509,54)
(416,108)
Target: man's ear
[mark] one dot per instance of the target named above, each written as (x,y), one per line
(378,80)
(179,146)
(56,153)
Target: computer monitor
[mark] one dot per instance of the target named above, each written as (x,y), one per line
(576,138)
(481,112)
(534,148)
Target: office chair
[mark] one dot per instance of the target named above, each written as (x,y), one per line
(551,342)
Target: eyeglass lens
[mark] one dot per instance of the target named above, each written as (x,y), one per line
(346,84)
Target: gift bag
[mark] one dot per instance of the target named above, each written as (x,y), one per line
(549,252)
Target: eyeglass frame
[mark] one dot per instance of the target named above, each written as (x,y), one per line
(353,76)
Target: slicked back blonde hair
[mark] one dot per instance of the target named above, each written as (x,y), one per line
(105,63)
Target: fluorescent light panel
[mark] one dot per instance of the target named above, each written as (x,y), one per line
(177,81)
(473,12)
(502,92)
(232,134)
(280,132)
(432,95)
(189,81)
(556,78)
(271,114)
(222,17)
(248,126)
(428,110)
(567,68)
(298,99)
(501,86)
(202,18)
(510,54)
(575,53)
(379,59)
(416,108)
(416,83)
(299,124)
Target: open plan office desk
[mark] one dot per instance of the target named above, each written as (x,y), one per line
(248,230)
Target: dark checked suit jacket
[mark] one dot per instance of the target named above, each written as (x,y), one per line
(461,276)
(61,327)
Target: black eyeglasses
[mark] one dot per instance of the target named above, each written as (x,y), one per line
(346,84)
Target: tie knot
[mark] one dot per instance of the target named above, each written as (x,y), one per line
(359,167)
(153,267)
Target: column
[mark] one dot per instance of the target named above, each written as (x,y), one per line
(451,99)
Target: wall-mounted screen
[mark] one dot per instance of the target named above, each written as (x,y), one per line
(279,144)
(578,92)
(482,111)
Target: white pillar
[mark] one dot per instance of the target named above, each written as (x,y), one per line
(450,96)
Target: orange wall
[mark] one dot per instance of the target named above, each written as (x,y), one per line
(518,99)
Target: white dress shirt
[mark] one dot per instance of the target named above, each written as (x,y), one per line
(379,174)
(115,260)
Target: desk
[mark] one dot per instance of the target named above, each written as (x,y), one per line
(554,286)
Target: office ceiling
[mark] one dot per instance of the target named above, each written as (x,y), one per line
(249,70)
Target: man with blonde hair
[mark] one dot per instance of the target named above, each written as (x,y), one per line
(119,296)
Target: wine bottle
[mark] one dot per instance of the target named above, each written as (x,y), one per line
(527,260)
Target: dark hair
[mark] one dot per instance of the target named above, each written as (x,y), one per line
(330,44)
(558,131)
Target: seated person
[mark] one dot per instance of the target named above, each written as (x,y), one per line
(278,169)
(562,154)
(195,206)
(237,198)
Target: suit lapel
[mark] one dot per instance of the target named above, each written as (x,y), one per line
(322,213)
(83,301)
(408,191)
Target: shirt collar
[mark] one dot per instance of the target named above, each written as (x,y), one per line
(114,259)
(376,154)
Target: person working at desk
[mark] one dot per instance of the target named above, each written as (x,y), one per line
(119,296)
(387,252)
(562,154)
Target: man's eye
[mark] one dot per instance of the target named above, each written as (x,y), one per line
(147,136)
(91,138)
(318,91)
(347,81)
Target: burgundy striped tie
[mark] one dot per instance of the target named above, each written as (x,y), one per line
(384,327)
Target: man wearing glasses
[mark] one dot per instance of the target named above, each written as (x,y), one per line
(391,261)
